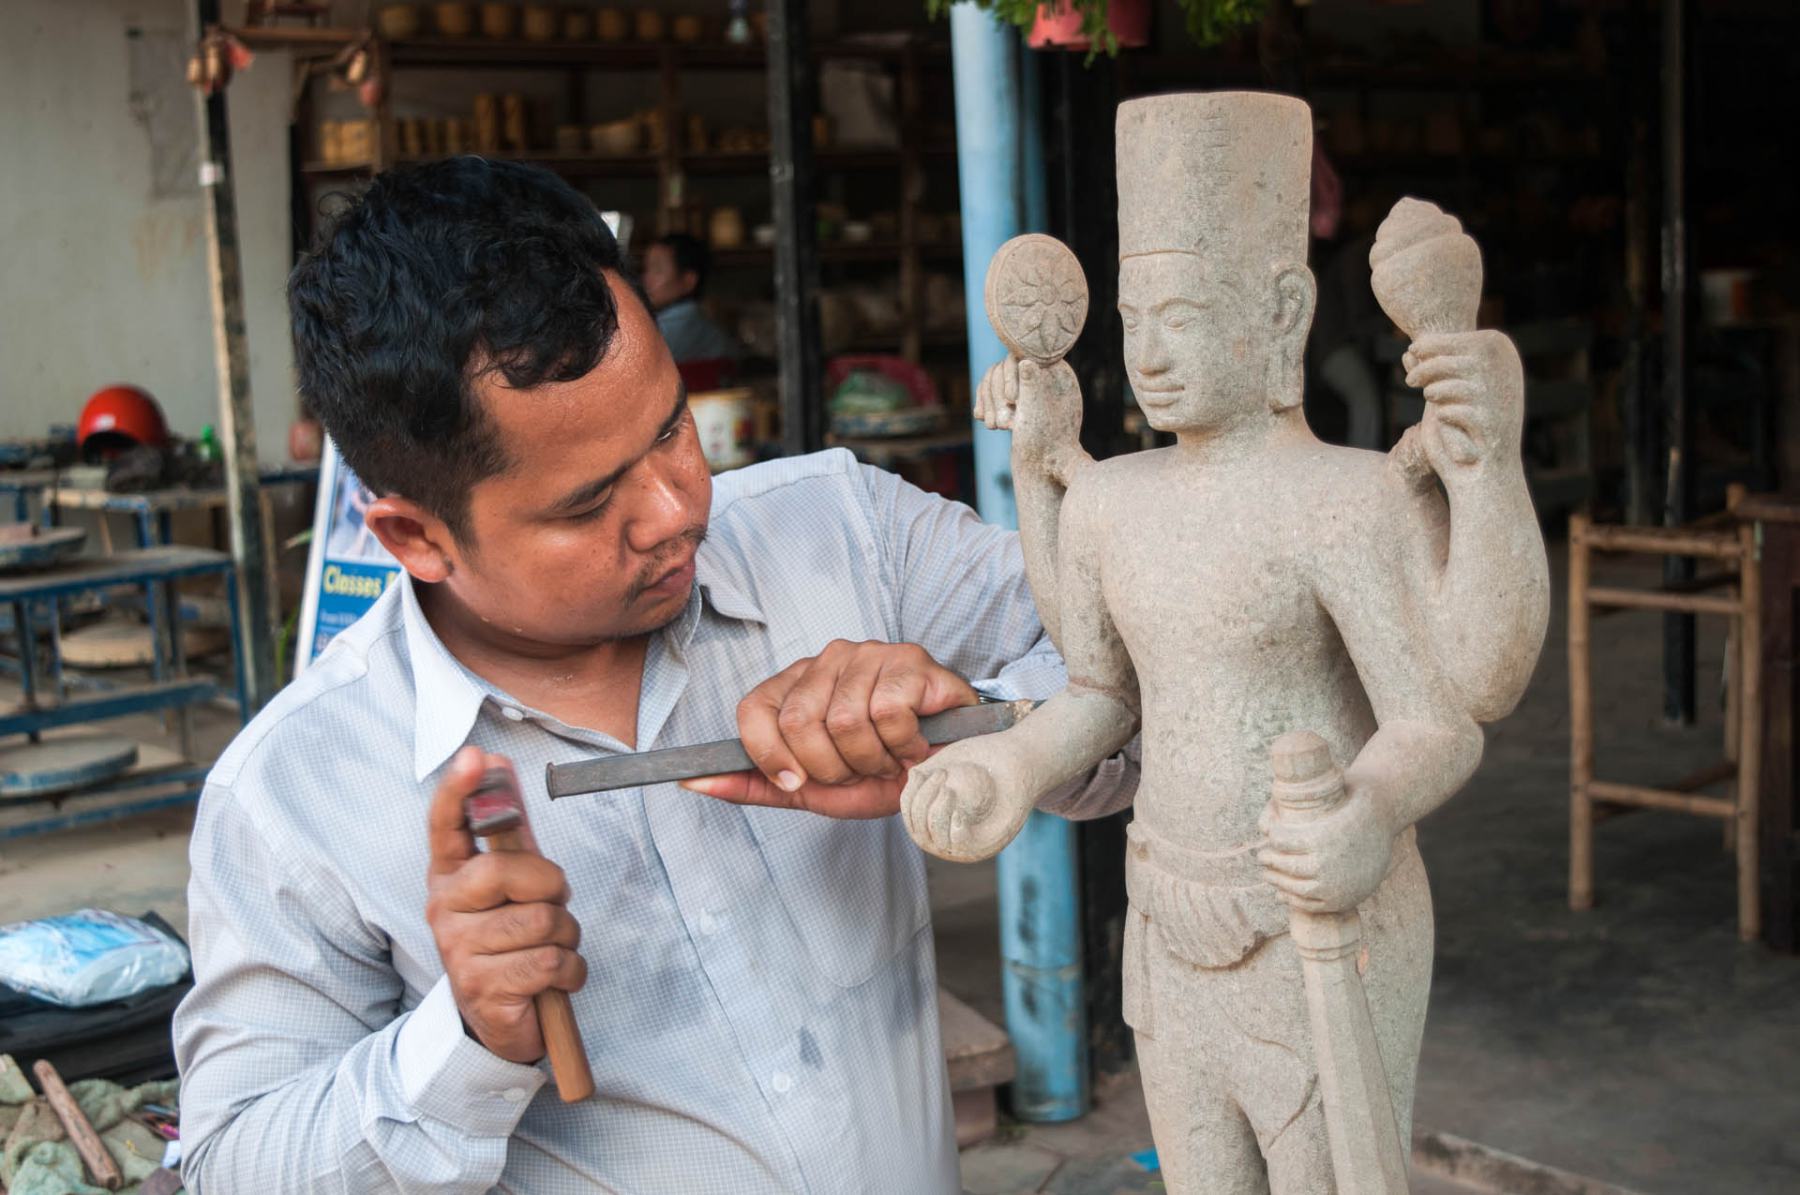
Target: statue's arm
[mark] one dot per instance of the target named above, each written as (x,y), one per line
(1426,744)
(969,800)
(1098,712)
(1041,405)
(1487,600)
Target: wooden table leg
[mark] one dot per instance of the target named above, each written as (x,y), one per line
(1581,724)
(1776,823)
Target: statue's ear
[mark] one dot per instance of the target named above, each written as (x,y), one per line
(1296,294)
(1295,297)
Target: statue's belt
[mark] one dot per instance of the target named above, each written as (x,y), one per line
(1211,910)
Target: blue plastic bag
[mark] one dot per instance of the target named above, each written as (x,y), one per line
(88,957)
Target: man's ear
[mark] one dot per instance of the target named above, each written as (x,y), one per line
(1296,294)
(418,539)
(690,282)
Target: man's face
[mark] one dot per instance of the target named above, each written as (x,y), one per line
(589,533)
(663,282)
(1195,343)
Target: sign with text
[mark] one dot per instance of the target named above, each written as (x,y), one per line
(346,566)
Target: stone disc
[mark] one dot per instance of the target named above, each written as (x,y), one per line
(60,764)
(1037,297)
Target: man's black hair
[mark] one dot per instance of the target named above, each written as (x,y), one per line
(437,275)
(690,253)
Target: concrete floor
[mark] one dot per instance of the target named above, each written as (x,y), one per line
(1639,1044)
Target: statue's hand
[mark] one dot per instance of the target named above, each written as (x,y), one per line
(1041,406)
(1475,394)
(962,804)
(1330,865)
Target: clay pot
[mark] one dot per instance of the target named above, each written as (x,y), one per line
(306,440)
(541,22)
(726,229)
(697,140)
(512,123)
(570,139)
(398,21)
(453,20)
(578,25)
(687,28)
(1059,27)
(611,24)
(487,124)
(499,22)
(617,136)
(458,138)
(648,24)
(821,130)
(412,137)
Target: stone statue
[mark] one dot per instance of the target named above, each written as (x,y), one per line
(1268,609)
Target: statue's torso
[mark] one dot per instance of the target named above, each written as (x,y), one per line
(1214,589)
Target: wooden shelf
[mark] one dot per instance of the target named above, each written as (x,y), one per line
(889,342)
(835,251)
(880,448)
(648,164)
(597,55)
(848,157)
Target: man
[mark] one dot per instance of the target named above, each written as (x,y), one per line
(675,269)
(755,985)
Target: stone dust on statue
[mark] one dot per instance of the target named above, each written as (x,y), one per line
(1267,608)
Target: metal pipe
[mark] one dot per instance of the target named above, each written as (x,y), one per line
(1000,161)
(791,180)
(1677,260)
(255,646)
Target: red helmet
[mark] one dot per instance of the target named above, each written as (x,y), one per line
(117,417)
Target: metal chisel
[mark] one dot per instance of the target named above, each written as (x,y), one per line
(611,772)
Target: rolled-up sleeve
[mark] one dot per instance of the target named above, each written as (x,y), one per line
(960,592)
(299,1070)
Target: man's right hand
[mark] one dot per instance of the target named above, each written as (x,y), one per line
(500,921)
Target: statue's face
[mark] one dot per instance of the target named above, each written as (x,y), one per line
(1196,342)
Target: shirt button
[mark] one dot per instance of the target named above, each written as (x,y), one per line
(782,1082)
(514,1095)
(709,925)
(513,712)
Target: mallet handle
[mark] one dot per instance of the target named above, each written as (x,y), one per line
(556,1016)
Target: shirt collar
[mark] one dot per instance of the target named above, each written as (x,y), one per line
(447,697)
(722,591)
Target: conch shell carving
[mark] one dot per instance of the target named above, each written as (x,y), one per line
(1426,271)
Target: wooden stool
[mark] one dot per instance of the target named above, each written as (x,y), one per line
(1592,800)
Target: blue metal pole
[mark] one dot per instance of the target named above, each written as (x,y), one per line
(1000,163)
(985,66)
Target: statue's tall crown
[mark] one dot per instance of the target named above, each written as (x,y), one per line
(1224,174)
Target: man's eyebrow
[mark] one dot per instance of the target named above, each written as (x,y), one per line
(587,494)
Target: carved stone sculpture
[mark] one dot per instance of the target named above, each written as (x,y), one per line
(1282,619)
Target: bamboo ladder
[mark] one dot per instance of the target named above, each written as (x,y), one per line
(1592,801)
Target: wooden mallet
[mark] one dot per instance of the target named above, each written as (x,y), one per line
(496,813)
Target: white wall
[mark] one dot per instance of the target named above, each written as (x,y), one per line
(103,273)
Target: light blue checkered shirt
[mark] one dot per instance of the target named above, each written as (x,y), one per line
(760,1009)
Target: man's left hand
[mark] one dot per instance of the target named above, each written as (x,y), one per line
(835,734)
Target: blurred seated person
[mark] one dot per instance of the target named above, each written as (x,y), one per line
(675,269)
